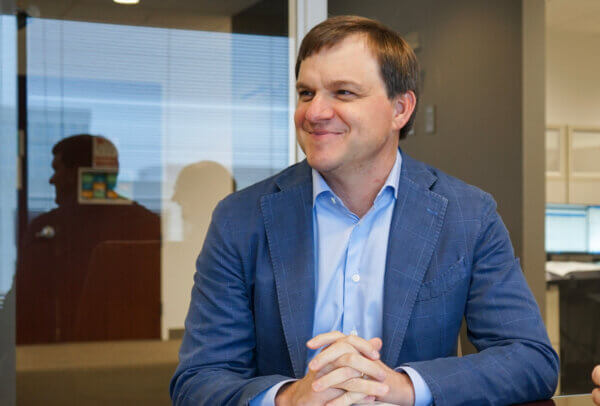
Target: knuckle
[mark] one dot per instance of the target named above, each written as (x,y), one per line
(352,358)
(349,373)
(346,359)
(354,340)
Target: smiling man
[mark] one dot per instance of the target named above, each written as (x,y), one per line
(345,278)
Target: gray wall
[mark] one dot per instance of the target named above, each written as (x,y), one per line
(483,70)
(470,56)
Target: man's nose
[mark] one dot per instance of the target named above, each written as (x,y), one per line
(319,109)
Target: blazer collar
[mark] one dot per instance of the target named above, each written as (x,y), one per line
(416,224)
(288,223)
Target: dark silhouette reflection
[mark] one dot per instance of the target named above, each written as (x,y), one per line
(88,270)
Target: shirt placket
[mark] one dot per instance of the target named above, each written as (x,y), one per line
(352,281)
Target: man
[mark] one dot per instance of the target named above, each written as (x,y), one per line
(362,256)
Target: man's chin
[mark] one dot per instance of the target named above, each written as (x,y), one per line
(323,166)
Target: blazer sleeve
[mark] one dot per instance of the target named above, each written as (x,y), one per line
(217,363)
(515,362)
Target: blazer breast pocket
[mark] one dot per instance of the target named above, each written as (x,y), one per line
(443,282)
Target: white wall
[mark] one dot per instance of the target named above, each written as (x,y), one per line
(572,81)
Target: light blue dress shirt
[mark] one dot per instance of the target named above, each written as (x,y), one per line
(350,254)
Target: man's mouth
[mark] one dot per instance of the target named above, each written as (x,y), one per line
(322,132)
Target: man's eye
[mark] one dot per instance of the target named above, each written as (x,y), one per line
(343,92)
(304,94)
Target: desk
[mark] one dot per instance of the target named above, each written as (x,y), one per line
(572,400)
(579,306)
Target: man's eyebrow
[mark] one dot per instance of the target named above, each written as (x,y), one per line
(300,85)
(332,84)
(343,83)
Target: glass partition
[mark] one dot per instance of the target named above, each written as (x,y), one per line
(137,121)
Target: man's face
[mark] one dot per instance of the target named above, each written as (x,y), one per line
(64,180)
(344,118)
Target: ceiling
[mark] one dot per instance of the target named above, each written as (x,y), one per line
(581,16)
(191,14)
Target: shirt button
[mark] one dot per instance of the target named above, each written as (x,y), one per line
(356,277)
(333,200)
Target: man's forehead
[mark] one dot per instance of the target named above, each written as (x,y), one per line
(355,42)
(351,47)
(347,63)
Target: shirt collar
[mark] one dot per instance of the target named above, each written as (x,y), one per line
(320,186)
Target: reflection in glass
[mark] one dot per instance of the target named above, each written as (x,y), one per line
(198,189)
(173,101)
(81,261)
(167,99)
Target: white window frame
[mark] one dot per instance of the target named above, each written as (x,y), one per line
(302,16)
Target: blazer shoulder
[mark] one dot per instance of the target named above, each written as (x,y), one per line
(460,194)
(246,202)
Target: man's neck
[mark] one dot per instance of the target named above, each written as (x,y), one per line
(358,187)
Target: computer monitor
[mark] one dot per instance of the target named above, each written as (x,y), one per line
(567,229)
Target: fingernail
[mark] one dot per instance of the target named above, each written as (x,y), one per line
(375,354)
(316,386)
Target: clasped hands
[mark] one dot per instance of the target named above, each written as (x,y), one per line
(347,371)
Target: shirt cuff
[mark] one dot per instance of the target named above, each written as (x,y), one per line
(267,397)
(423,395)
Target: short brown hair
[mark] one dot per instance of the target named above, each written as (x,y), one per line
(397,62)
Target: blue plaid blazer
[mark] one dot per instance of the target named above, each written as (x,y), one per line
(449,256)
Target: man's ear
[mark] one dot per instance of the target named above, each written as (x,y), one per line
(404,105)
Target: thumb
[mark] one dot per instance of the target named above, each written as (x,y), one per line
(376,343)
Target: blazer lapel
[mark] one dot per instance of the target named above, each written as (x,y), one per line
(288,222)
(416,224)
